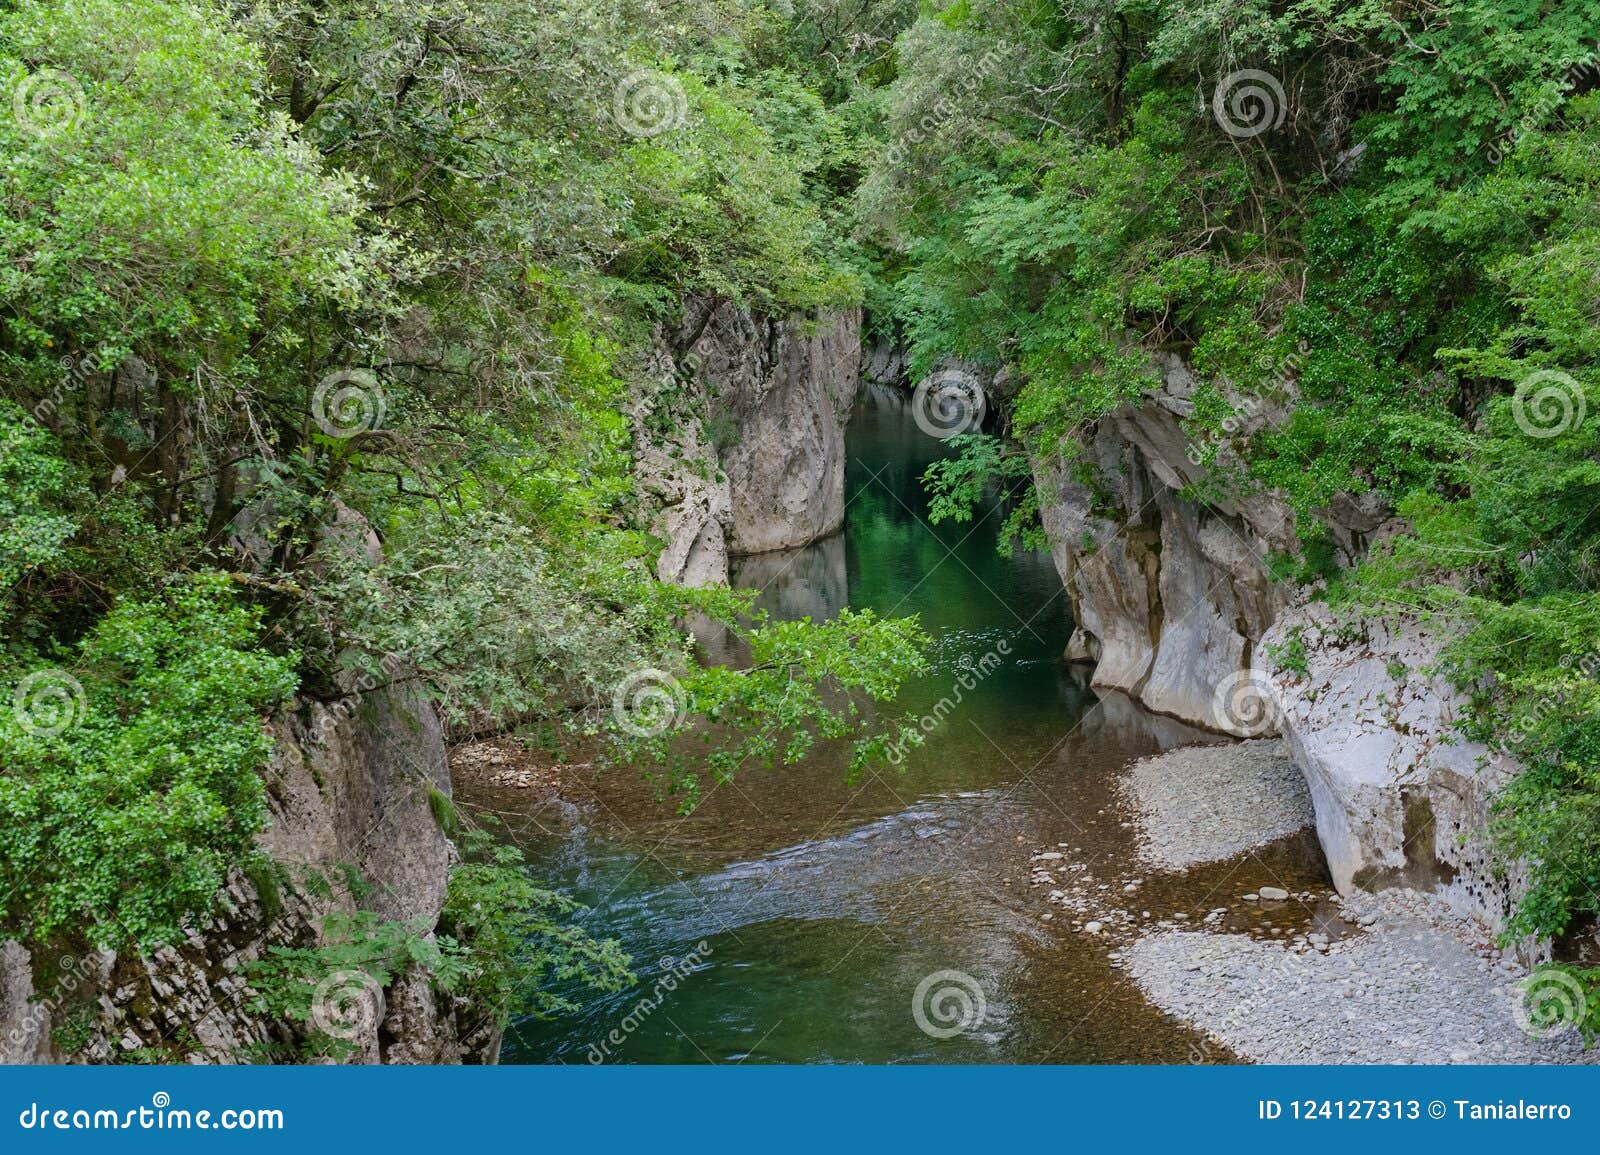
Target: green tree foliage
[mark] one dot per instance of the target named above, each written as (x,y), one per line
(803,681)
(33,483)
(319,324)
(518,950)
(132,768)
(1399,251)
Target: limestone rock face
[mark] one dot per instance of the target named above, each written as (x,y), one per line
(1174,608)
(741,448)
(1169,595)
(1401,798)
(680,478)
(349,784)
(802,583)
(883,362)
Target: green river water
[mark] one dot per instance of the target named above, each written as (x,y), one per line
(822,906)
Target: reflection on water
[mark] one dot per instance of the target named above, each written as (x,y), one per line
(810,582)
(822,904)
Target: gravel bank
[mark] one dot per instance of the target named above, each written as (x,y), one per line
(1204,803)
(1418,985)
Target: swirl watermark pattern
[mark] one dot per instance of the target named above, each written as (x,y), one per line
(673,972)
(348,403)
(948,403)
(48,103)
(1248,103)
(48,703)
(1548,403)
(972,673)
(948,1003)
(648,103)
(1245,704)
(1548,1003)
(648,703)
(347,1004)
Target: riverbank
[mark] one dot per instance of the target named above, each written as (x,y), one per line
(1416,983)
(1204,803)
(1397,976)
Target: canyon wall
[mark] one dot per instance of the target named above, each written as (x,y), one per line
(1169,596)
(739,448)
(349,786)
(1401,797)
(1174,606)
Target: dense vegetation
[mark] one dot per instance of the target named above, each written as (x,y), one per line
(277,276)
(275,270)
(1380,216)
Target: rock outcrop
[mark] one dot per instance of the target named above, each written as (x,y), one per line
(1171,591)
(1401,798)
(351,785)
(1169,595)
(740,450)
(1174,607)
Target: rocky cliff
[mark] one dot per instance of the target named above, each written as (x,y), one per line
(739,446)
(1169,595)
(1401,798)
(1174,607)
(350,786)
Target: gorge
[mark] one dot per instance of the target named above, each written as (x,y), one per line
(623,532)
(807,890)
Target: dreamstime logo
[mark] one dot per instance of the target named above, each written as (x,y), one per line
(390,667)
(347,1004)
(1534,714)
(348,402)
(948,1003)
(954,94)
(1548,1003)
(48,103)
(31,1024)
(947,403)
(1548,403)
(648,103)
(1248,409)
(1246,704)
(1248,103)
(648,703)
(971,674)
(673,972)
(48,703)
(1546,105)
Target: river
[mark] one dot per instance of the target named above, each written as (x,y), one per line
(793,916)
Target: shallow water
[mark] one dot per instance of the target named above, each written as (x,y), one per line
(792,917)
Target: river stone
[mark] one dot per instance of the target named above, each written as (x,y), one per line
(1273,893)
(1272,1003)
(1208,802)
